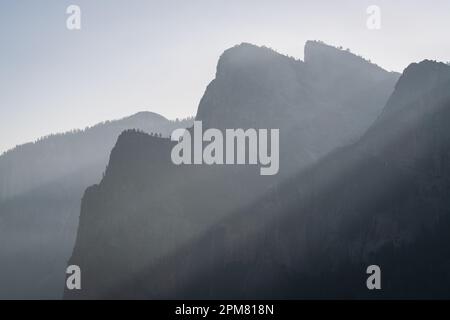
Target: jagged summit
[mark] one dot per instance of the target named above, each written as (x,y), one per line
(257,87)
(249,56)
(317,48)
(319,54)
(315,51)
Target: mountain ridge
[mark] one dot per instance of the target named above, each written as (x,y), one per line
(314,235)
(192,199)
(41,186)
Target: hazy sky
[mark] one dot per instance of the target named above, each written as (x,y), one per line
(135,55)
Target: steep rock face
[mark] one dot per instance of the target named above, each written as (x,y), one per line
(254,87)
(358,88)
(327,101)
(100,233)
(41,185)
(149,210)
(145,208)
(383,200)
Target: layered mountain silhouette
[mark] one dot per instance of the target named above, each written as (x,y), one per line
(327,100)
(362,181)
(41,185)
(383,200)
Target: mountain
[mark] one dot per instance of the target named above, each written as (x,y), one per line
(383,200)
(145,209)
(41,185)
(325,101)
(33,164)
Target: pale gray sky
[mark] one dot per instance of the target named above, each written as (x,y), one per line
(135,55)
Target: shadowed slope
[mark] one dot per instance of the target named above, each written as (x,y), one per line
(145,208)
(383,200)
(41,185)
